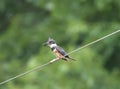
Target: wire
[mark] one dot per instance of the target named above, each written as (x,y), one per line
(29,71)
(94,41)
(52,61)
(22,74)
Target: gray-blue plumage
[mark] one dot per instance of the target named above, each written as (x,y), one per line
(61,51)
(52,44)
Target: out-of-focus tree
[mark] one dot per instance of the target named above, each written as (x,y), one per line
(26,24)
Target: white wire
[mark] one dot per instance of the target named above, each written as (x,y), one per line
(94,41)
(22,74)
(52,61)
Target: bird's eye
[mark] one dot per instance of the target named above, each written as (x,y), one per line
(50,42)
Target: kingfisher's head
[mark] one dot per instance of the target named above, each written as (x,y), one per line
(51,42)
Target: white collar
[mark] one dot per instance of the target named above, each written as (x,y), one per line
(53,45)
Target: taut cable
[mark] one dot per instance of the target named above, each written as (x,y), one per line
(52,61)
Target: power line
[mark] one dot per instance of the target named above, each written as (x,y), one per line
(52,61)
(22,74)
(94,41)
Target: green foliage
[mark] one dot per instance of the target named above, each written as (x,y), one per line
(26,24)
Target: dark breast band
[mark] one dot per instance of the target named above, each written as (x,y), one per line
(52,48)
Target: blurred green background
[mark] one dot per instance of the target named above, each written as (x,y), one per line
(26,24)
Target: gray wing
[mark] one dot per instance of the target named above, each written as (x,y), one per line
(61,50)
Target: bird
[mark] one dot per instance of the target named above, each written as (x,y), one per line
(57,50)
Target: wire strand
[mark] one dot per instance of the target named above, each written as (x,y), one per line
(52,61)
(22,74)
(94,42)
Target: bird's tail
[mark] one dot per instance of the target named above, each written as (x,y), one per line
(70,58)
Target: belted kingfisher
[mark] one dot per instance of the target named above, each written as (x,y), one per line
(58,51)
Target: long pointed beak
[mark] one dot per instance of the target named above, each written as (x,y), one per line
(45,44)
